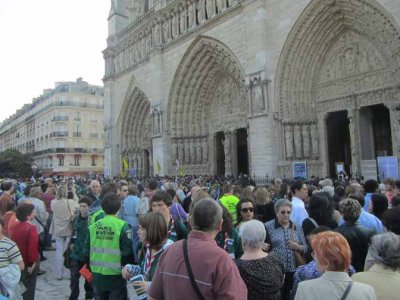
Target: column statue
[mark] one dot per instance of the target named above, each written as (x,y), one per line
(228,153)
(210,8)
(198,151)
(205,150)
(289,142)
(298,141)
(306,141)
(314,140)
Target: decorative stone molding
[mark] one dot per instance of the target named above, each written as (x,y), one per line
(163,23)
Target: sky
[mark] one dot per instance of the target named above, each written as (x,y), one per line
(46,41)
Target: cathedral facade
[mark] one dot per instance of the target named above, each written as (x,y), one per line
(251,86)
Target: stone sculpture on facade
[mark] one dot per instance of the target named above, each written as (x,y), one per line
(298,141)
(228,153)
(306,141)
(314,140)
(210,8)
(289,142)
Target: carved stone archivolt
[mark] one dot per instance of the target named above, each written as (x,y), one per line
(340,55)
(136,127)
(207,95)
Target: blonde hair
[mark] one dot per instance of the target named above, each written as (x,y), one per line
(262,196)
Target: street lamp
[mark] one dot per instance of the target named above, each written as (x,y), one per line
(34,168)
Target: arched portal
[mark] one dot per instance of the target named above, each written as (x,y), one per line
(341,55)
(135,133)
(207,97)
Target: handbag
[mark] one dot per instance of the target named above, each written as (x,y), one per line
(67,257)
(190,272)
(298,256)
(347,290)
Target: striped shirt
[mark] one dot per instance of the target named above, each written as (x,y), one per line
(9,253)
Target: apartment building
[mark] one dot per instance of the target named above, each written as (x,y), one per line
(62,129)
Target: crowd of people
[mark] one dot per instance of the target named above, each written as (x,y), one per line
(203,237)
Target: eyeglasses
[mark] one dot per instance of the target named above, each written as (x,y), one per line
(247,209)
(285,212)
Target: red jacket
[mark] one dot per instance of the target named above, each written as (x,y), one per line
(26,237)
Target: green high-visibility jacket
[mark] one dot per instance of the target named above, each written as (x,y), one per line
(105,253)
(97,215)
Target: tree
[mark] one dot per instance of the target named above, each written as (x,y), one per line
(15,164)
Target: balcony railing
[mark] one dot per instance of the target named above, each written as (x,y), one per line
(60,118)
(60,133)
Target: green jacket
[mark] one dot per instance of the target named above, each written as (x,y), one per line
(177,230)
(232,243)
(229,202)
(78,238)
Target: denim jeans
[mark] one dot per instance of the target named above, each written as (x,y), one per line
(76,265)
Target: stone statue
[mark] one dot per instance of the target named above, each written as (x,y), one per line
(201,11)
(192,15)
(298,141)
(228,153)
(364,60)
(180,151)
(166,27)
(193,151)
(183,19)
(210,8)
(289,142)
(157,34)
(198,151)
(350,61)
(306,141)
(314,140)
(220,6)
(258,98)
(205,150)
(175,29)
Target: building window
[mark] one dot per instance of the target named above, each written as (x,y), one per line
(76,160)
(93,161)
(61,160)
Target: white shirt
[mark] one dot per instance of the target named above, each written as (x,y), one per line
(299,212)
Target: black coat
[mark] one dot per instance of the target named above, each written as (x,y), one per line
(359,238)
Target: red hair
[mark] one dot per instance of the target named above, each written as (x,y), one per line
(332,250)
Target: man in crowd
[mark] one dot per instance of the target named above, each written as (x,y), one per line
(94,193)
(161,202)
(299,193)
(109,247)
(229,201)
(6,196)
(214,272)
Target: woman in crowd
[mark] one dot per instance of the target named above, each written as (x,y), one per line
(176,209)
(284,238)
(332,255)
(244,211)
(378,204)
(319,212)
(228,238)
(153,237)
(264,205)
(248,192)
(384,275)
(310,270)
(26,237)
(262,272)
(61,226)
(391,221)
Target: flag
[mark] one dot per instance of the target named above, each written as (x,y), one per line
(125,167)
(158,167)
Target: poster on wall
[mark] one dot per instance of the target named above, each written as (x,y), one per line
(340,167)
(388,166)
(299,169)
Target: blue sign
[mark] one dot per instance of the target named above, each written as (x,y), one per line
(133,172)
(300,169)
(388,166)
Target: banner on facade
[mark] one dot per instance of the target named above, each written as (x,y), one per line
(299,169)
(133,172)
(388,166)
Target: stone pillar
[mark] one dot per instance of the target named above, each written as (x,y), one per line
(395,126)
(320,140)
(228,152)
(353,116)
(212,139)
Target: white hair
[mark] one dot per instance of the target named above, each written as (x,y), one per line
(252,233)
(329,190)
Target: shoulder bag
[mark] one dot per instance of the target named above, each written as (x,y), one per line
(347,291)
(189,270)
(299,257)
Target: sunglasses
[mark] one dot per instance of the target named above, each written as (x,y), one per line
(247,209)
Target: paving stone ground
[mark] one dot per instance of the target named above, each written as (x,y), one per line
(48,287)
